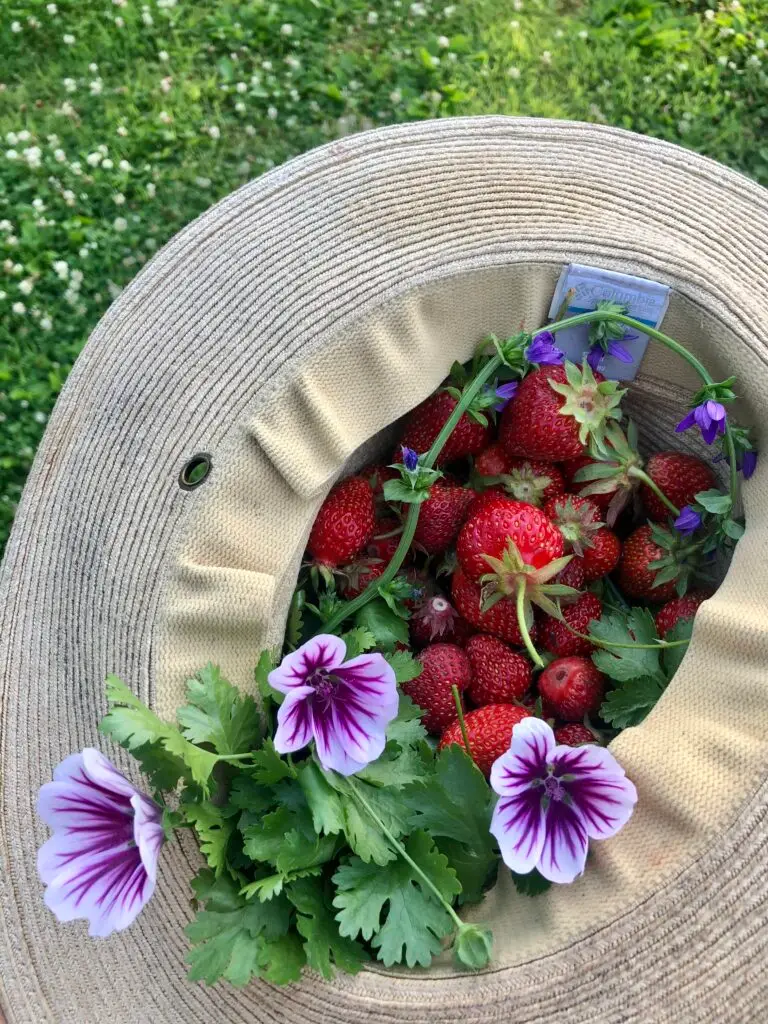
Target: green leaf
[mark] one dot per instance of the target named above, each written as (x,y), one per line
(622,663)
(387,627)
(358,641)
(532,884)
(265,888)
(264,841)
(322,799)
(299,852)
(672,656)
(281,960)
(714,501)
(362,832)
(131,724)
(733,529)
(163,769)
(631,701)
(407,728)
(474,946)
(267,661)
(405,666)
(476,871)
(407,757)
(214,826)
(268,767)
(399,490)
(216,713)
(295,625)
(414,924)
(246,794)
(324,946)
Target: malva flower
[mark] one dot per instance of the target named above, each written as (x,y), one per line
(543,350)
(709,417)
(553,800)
(410,458)
(101,862)
(688,521)
(345,706)
(505,393)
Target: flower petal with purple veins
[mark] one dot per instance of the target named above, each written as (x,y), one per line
(599,789)
(320,654)
(564,850)
(518,826)
(526,760)
(294,722)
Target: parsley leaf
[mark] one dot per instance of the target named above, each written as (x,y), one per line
(324,945)
(405,666)
(625,663)
(322,798)
(414,923)
(272,885)
(362,832)
(214,826)
(131,724)
(406,757)
(672,656)
(217,714)
(267,767)
(295,625)
(387,627)
(267,661)
(630,701)
(286,838)
(163,769)
(358,641)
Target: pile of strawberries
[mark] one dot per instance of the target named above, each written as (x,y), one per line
(506,532)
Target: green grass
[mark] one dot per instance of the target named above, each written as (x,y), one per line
(139,118)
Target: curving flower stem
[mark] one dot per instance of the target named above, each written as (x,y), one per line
(398,847)
(535,656)
(640,474)
(460,714)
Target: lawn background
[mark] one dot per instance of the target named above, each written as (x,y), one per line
(122,121)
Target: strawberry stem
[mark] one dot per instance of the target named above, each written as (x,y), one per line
(640,474)
(460,713)
(535,658)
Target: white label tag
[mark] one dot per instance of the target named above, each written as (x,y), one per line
(645,300)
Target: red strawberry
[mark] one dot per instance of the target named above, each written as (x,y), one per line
(344,524)
(571,688)
(636,579)
(492,461)
(542,420)
(679,609)
(486,499)
(427,420)
(385,540)
(377,476)
(575,735)
(578,520)
(443,666)
(489,531)
(437,619)
(680,477)
(500,620)
(570,467)
(489,731)
(357,576)
(499,674)
(572,575)
(441,516)
(558,639)
(602,557)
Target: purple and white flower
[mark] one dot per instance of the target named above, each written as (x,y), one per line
(710,417)
(688,521)
(505,393)
(101,862)
(543,350)
(553,800)
(345,706)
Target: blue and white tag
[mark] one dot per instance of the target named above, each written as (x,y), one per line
(583,287)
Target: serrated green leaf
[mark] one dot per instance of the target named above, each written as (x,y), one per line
(214,826)
(131,724)
(323,800)
(415,923)
(281,960)
(399,490)
(265,888)
(216,713)
(358,641)
(295,625)
(404,665)
(630,702)
(363,833)
(264,841)
(532,884)
(300,852)
(324,946)
(632,662)
(268,767)
(267,661)
(163,769)
(246,794)
(387,627)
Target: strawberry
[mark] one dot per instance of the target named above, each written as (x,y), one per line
(680,477)
(441,516)
(492,461)
(385,540)
(572,575)
(679,609)
(443,666)
(489,731)
(571,688)
(356,577)
(377,476)
(555,411)
(488,532)
(575,735)
(557,637)
(427,420)
(499,674)
(344,524)
(500,620)
(577,519)
(437,619)
(531,480)
(602,557)
(571,467)
(636,578)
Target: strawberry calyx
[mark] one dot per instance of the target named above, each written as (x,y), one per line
(521,483)
(576,523)
(681,562)
(438,615)
(617,468)
(590,403)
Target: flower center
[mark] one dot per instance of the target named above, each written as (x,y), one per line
(553,788)
(324,683)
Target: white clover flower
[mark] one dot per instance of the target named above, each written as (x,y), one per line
(70,84)
(5,225)
(119,3)
(583,34)
(146,17)
(19,308)
(93,67)
(68,196)
(272,113)
(372,18)
(760,44)
(517,4)
(11,138)
(51,8)
(166,83)
(418,10)
(395,97)
(26,286)
(448,11)
(514,24)
(18,269)
(67,109)
(214,131)
(240,107)
(77,279)
(61,269)
(11,154)
(293,63)
(38,204)
(286,29)
(76,167)
(3,295)
(753,60)
(68,39)
(33,154)
(59,155)
(118,199)
(120,224)
(164,117)
(24,136)
(122,131)
(150,243)
(96,87)
(15,26)
(119,22)
(250,130)
(546,57)
(163,55)
(83,252)
(94,159)
(151,189)
(203,182)
(443,41)
(107,164)
(166,4)
(45,324)
(241,87)
(709,15)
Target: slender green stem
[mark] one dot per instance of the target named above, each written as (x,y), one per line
(608,644)
(460,713)
(535,658)
(398,847)
(640,474)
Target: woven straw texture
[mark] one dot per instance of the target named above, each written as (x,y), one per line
(284,332)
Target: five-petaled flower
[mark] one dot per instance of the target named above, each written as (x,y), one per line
(101,862)
(709,417)
(345,706)
(688,521)
(553,799)
(543,350)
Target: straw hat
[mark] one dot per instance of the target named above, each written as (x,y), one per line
(279,334)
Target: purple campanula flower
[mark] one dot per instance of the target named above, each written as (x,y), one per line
(709,417)
(594,357)
(344,706)
(748,464)
(101,862)
(553,799)
(543,350)
(688,521)
(618,351)
(505,393)
(410,458)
